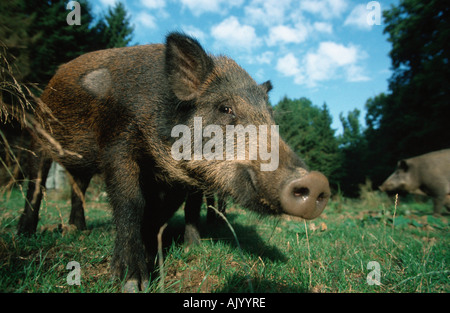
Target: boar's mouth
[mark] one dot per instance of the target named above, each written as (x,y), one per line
(305,196)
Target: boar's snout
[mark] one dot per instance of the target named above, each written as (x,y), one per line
(307,196)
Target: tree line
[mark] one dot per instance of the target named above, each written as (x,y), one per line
(38,38)
(411,118)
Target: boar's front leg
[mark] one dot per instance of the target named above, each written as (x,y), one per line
(438,203)
(192,208)
(128,203)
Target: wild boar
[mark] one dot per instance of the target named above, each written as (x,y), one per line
(158,120)
(427,174)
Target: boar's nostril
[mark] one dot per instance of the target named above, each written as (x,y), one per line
(301,192)
(322,197)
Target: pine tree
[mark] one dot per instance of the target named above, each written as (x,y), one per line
(353,151)
(46,40)
(14,36)
(117,31)
(57,42)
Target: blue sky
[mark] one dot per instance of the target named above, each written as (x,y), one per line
(324,50)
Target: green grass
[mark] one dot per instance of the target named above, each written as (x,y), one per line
(276,254)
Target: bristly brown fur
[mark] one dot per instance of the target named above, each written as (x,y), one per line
(116,108)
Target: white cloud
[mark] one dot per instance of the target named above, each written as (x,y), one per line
(330,61)
(158,6)
(153,4)
(231,33)
(146,20)
(325,8)
(355,73)
(333,60)
(265,57)
(108,2)
(300,32)
(267,12)
(337,53)
(198,7)
(323,27)
(260,75)
(358,18)
(195,32)
(288,65)
(285,34)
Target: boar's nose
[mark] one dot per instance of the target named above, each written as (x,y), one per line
(306,197)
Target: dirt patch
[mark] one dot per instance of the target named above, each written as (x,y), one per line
(186,279)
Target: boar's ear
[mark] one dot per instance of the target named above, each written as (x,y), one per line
(187,65)
(403,165)
(267,86)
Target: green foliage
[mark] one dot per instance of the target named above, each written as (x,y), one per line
(14,34)
(352,148)
(307,130)
(352,133)
(381,152)
(413,118)
(419,32)
(38,36)
(57,41)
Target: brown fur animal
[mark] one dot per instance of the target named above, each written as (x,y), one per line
(427,174)
(115,111)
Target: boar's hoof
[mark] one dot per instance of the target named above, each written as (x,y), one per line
(132,286)
(306,197)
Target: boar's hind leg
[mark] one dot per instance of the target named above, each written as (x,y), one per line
(128,203)
(447,202)
(79,186)
(38,167)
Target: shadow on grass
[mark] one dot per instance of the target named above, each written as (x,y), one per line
(248,236)
(238,283)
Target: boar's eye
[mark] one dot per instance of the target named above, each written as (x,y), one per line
(227,110)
